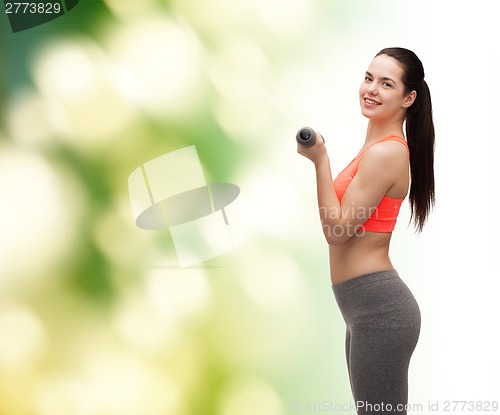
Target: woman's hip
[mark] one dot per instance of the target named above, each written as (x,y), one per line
(377,299)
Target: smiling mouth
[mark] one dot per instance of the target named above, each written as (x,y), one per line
(371,102)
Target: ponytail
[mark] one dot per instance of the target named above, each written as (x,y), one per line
(419,135)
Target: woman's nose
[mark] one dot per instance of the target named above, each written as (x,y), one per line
(372,89)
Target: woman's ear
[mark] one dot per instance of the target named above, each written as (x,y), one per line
(410,99)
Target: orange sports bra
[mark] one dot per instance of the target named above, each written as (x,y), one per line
(384,217)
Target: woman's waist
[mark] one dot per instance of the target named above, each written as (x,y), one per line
(347,262)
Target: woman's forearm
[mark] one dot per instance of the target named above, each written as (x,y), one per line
(334,217)
(328,203)
(336,227)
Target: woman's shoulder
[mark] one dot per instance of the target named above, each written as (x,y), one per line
(387,152)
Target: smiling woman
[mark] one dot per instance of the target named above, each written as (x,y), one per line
(380,88)
(358,212)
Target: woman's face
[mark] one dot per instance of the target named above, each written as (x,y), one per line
(382,94)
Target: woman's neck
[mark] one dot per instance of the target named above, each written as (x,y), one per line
(377,130)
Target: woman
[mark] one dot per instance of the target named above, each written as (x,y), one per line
(358,212)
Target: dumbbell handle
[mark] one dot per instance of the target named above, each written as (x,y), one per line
(307,137)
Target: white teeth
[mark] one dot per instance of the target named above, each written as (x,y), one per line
(369,101)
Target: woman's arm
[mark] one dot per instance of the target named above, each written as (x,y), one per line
(377,173)
(328,202)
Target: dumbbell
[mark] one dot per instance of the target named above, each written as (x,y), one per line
(307,137)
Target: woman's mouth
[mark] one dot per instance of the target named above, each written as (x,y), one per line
(371,101)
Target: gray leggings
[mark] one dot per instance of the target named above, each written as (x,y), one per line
(383,325)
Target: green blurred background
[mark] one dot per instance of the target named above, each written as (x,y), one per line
(96,316)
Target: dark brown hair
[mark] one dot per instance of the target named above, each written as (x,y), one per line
(419,135)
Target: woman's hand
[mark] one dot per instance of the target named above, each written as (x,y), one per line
(316,152)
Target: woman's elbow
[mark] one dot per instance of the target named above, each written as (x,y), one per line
(336,241)
(336,235)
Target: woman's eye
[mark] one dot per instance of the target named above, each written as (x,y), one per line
(386,84)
